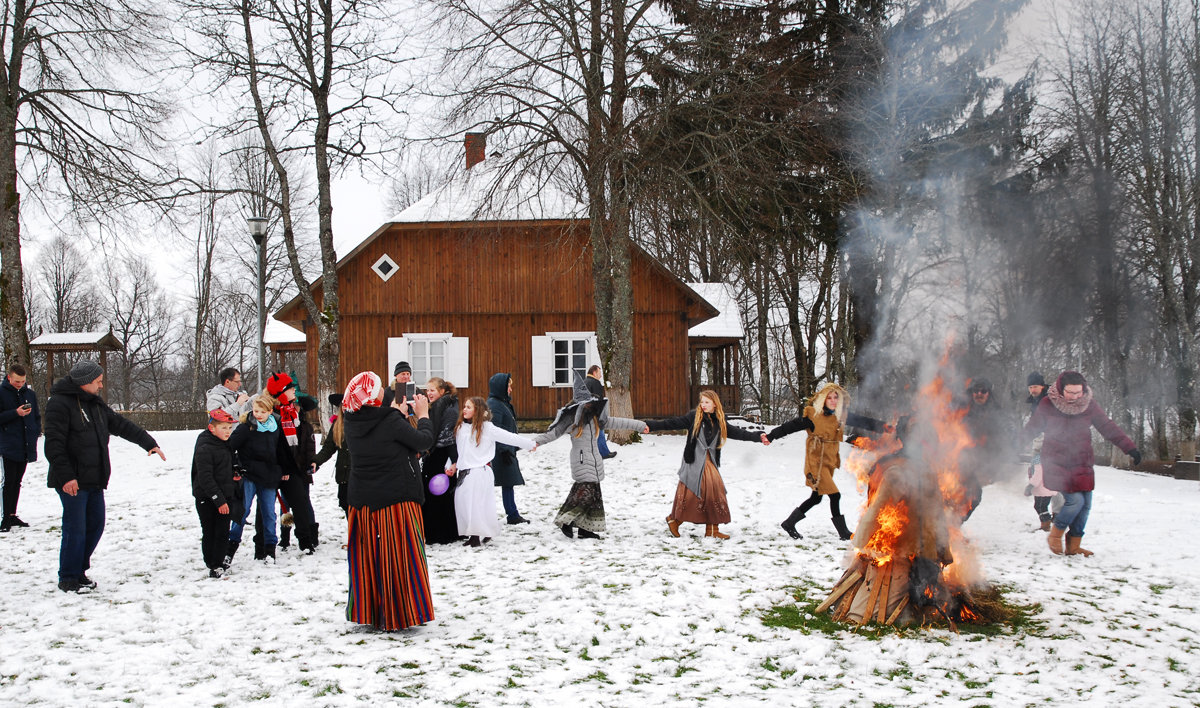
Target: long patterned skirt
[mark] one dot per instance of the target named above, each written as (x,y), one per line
(711,508)
(584,508)
(389,580)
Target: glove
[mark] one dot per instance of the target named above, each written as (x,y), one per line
(1135,455)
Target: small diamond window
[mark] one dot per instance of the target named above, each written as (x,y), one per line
(385,267)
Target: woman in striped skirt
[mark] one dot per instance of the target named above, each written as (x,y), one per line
(389,580)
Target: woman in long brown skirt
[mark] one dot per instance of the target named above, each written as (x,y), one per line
(700,496)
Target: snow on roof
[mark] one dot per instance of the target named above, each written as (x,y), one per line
(70,338)
(277,332)
(728,322)
(486,192)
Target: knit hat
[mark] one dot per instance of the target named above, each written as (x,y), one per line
(278,383)
(1035,379)
(363,390)
(401,367)
(85,371)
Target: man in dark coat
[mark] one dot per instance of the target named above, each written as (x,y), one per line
(20,426)
(984,461)
(505,466)
(78,425)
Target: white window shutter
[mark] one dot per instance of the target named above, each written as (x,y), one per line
(458,361)
(543,361)
(397,348)
(593,353)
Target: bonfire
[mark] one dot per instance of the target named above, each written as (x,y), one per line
(909,563)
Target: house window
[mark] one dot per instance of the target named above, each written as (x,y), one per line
(428,358)
(569,355)
(385,267)
(557,355)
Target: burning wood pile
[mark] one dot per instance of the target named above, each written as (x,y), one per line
(909,563)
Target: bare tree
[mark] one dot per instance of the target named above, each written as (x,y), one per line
(141,317)
(67,123)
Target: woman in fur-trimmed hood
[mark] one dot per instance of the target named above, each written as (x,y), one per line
(1066,415)
(824,418)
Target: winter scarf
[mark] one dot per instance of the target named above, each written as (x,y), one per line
(289,416)
(267,426)
(363,390)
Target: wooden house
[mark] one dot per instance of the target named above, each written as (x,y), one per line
(484,276)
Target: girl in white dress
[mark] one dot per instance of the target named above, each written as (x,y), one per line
(475,496)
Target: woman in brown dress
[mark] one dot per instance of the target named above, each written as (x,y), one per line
(700,496)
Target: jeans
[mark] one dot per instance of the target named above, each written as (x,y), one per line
(1074,514)
(82,526)
(602,444)
(509,498)
(266,504)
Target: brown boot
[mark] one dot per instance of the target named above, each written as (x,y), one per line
(1073,548)
(714,530)
(1055,539)
(1046,525)
(673,527)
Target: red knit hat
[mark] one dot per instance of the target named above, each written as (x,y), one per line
(278,383)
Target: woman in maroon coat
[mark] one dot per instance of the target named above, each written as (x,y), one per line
(1066,415)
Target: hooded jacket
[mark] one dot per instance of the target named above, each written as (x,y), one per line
(18,434)
(78,426)
(1067,455)
(383,466)
(221,398)
(587,464)
(505,466)
(212,471)
(263,453)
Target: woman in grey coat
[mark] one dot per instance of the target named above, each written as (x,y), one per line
(583,419)
(700,494)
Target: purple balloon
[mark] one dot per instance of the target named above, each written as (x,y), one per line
(438,484)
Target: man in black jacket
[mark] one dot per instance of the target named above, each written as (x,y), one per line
(20,426)
(78,425)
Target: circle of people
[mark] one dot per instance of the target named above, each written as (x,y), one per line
(416,468)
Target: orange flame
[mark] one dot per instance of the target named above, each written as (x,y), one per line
(892,520)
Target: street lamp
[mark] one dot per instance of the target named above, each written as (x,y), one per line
(258,232)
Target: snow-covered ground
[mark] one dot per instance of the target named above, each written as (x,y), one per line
(638,619)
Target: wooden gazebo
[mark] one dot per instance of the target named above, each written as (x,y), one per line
(282,339)
(713,348)
(53,343)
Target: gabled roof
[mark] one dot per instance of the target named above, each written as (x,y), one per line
(728,322)
(100,340)
(277,332)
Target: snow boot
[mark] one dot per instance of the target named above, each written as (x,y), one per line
(313,537)
(285,537)
(567,530)
(584,533)
(230,550)
(839,523)
(1046,525)
(1055,540)
(268,555)
(714,530)
(673,527)
(789,524)
(1073,548)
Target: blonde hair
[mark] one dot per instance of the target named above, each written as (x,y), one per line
(718,411)
(442,385)
(338,430)
(263,402)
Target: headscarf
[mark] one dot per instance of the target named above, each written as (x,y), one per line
(363,390)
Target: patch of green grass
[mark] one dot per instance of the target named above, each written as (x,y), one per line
(410,665)
(584,655)
(470,667)
(331,689)
(595,676)
(975,684)
(595,641)
(1159,589)
(1174,665)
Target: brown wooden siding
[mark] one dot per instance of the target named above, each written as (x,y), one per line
(500,286)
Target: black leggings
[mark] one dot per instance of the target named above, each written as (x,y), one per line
(835,502)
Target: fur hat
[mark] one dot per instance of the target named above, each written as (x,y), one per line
(85,371)
(818,400)
(279,382)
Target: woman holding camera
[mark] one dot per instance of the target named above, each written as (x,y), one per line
(20,426)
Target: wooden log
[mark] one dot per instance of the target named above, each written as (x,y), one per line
(899,608)
(873,581)
(847,601)
(883,594)
(848,580)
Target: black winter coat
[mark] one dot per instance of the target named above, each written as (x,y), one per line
(18,434)
(78,426)
(384,469)
(341,464)
(304,454)
(443,415)
(212,470)
(708,428)
(505,467)
(264,455)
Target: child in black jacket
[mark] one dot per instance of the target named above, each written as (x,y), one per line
(259,444)
(216,489)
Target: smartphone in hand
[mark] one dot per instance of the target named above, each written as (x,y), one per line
(410,391)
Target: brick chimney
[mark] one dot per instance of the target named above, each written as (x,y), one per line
(476,145)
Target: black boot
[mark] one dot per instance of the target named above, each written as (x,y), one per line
(789,524)
(584,533)
(269,555)
(839,523)
(285,537)
(230,550)
(312,534)
(568,531)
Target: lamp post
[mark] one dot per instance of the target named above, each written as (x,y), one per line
(258,232)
